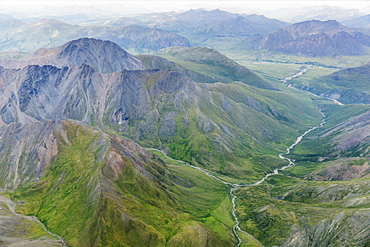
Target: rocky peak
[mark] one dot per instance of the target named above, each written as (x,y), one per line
(102,56)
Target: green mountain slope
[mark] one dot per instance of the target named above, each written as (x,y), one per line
(212,63)
(324,199)
(100,190)
(347,85)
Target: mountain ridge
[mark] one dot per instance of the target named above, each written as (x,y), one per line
(48,33)
(312,38)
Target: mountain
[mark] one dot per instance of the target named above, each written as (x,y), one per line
(141,39)
(210,61)
(154,107)
(102,56)
(157,62)
(48,33)
(9,22)
(94,188)
(208,23)
(312,38)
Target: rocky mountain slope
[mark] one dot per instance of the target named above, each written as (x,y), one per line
(312,38)
(96,189)
(49,33)
(156,107)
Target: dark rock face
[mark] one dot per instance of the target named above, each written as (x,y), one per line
(312,38)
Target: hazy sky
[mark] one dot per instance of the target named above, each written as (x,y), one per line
(127,7)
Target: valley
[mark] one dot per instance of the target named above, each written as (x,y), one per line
(234,186)
(196,128)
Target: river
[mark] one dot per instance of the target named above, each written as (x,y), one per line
(236,228)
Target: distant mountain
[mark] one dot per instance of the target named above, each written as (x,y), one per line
(9,22)
(312,38)
(359,22)
(210,23)
(362,23)
(48,33)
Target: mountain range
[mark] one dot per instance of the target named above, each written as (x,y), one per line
(312,38)
(48,33)
(207,23)
(87,130)
(114,198)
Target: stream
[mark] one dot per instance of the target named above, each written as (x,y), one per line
(236,228)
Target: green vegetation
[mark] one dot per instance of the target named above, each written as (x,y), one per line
(212,63)
(278,211)
(348,85)
(97,191)
(275,57)
(17,229)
